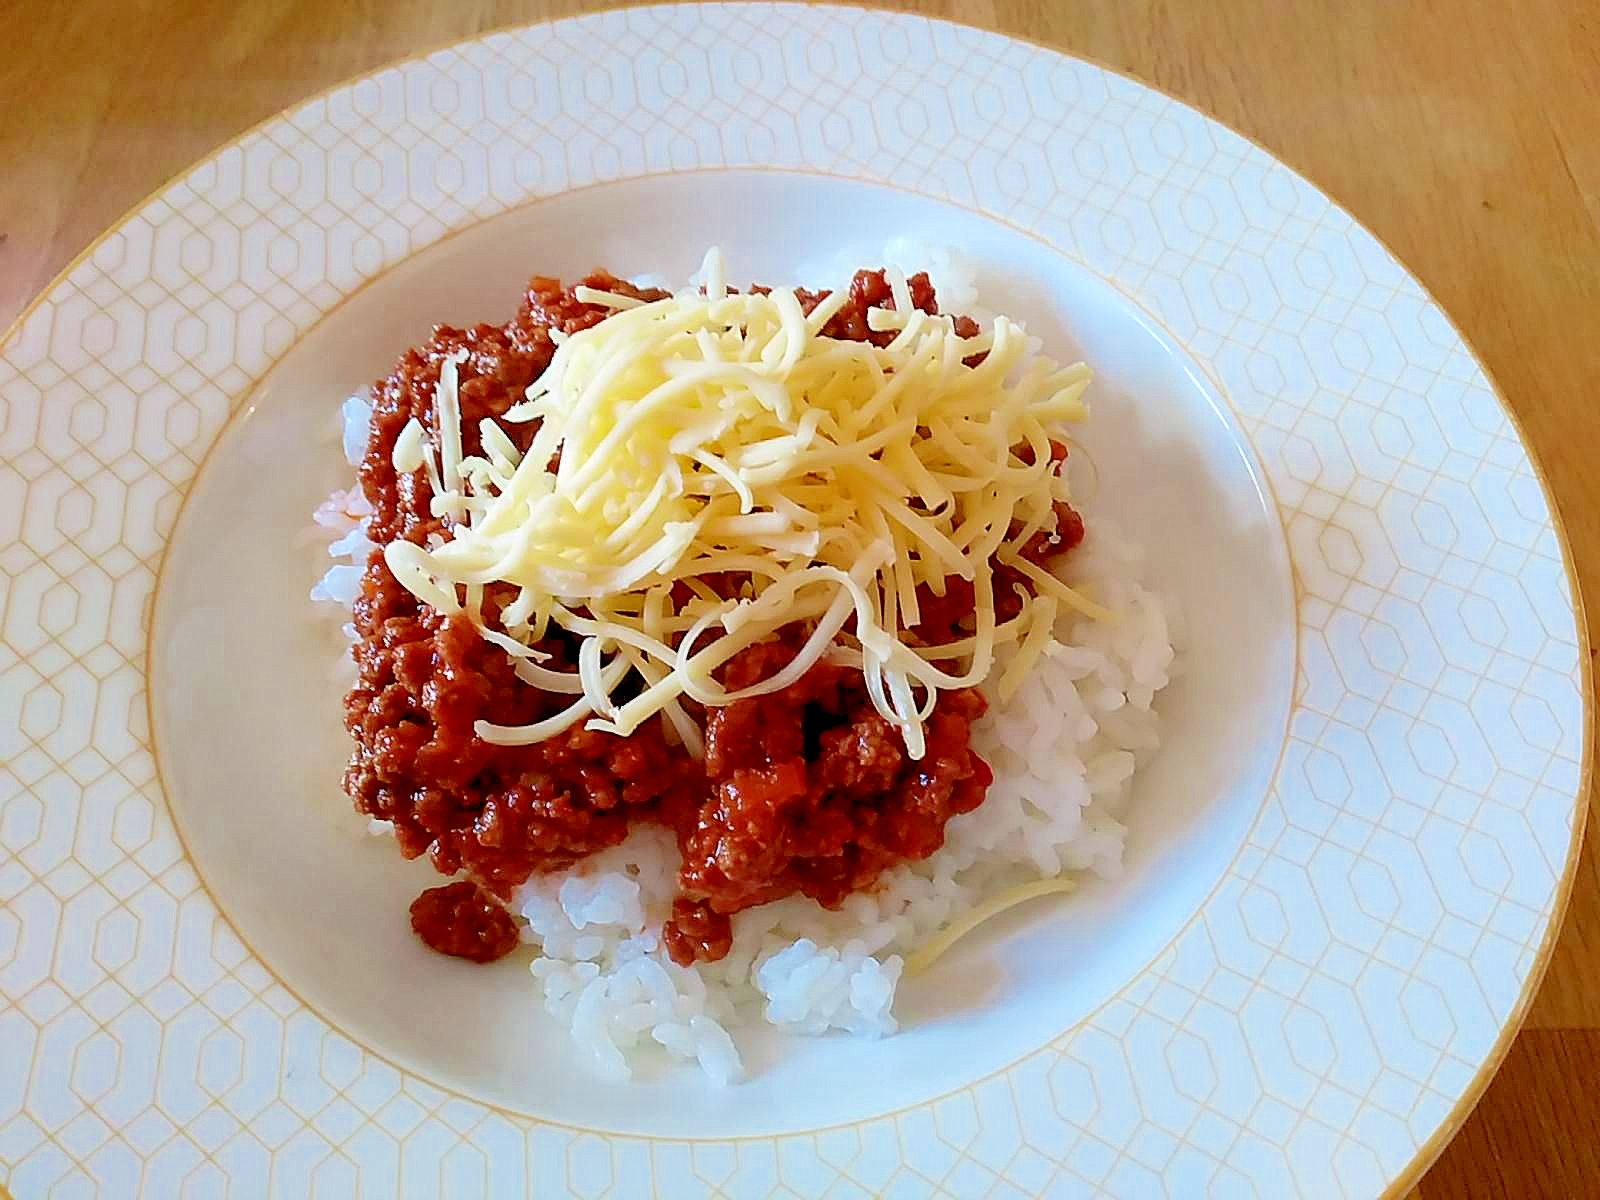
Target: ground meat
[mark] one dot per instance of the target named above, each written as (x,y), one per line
(497,813)
(459,919)
(871,289)
(501,362)
(500,812)
(813,793)
(697,932)
(807,791)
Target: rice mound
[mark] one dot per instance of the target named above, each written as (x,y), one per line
(1064,750)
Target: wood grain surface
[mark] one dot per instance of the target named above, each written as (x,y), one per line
(1464,133)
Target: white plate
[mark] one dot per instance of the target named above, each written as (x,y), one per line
(1344,867)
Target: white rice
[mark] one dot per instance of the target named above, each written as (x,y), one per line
(1064,751)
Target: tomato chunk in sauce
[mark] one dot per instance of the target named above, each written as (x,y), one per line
(807,791)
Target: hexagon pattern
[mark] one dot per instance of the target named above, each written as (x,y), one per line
(1306,1033)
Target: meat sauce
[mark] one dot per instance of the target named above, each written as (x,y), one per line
(811,791)
(805,791)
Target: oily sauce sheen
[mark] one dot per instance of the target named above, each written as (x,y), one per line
(805,791)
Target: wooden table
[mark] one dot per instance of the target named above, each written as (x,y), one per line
(1462,132)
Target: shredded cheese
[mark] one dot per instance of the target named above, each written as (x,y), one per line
(924,956)
(712,433)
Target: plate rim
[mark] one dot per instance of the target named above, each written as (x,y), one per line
(1431,1147)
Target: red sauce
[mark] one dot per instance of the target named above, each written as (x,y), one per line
(806,791)
(461,920)
(813,793)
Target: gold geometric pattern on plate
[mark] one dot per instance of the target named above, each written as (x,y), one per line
(1313,1026)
